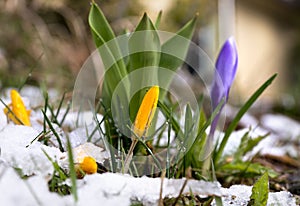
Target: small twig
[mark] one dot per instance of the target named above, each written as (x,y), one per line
(188,176)
(163,175)
(181,191)
(129,155)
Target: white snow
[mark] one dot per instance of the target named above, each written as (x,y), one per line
(240,195)
(18,152)
(30,192)
(118,189)
(282,125)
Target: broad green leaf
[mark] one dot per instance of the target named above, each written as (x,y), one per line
(100,25)
(242,111)
(103,34)
(144,49)
(109,50)
(260,191)
(177,46)
(173,52)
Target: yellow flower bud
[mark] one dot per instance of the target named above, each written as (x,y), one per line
(146,111)
(88,165)
(18,108)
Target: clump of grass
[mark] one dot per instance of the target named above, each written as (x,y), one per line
(57,183)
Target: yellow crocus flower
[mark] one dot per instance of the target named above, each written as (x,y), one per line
(142,121)
(20,114)
(146,112)
(87,165)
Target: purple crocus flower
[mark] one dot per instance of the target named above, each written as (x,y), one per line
(226,66)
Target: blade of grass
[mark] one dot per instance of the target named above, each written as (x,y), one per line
(239,115)
(161,127)
(167,113)
(65,114)
(72,170)
(193,200)
(30,72)
(11,112)
(36,137)
(168,146)
(53,119)
(150,152)
(60,104)
(61,173)
(45,94)
(54,132)
(109,146)
(160,135)
(105,136)
(205,125)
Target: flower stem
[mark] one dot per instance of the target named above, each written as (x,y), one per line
(129,156)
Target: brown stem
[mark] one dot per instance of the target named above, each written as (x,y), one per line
(129,156)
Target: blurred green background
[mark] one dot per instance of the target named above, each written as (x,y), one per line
(46,42)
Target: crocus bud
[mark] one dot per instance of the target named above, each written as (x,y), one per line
(226,66)
(20,114)
(146,111)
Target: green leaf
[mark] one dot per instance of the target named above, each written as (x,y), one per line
(189,133)
(109,50)
(102,34)
(239,115)
(197,148)
(173,52)
(201,135)
(99,25)
(246,169)
(144,45)
(144,49)
(72,170)
(188,121)
(260,191)
(157,22)
(61,148)
(246,145)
